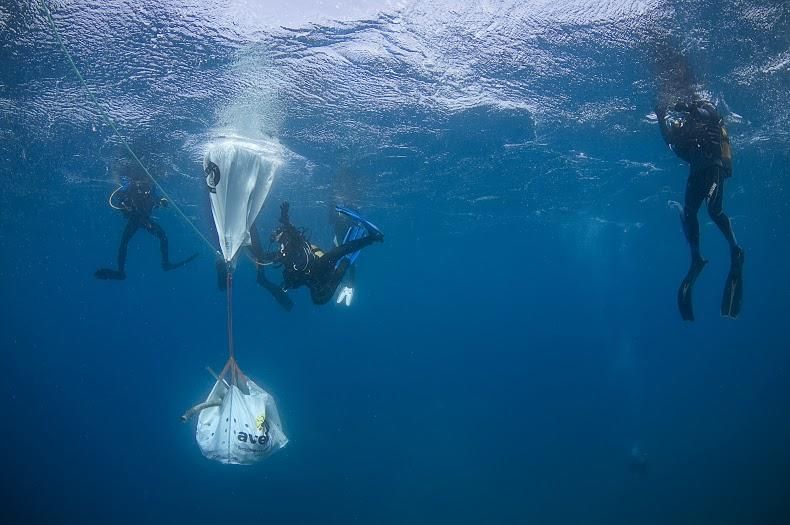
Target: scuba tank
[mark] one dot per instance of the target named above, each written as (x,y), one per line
(295,251)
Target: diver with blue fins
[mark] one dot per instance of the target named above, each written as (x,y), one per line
(136,198)
(695,132)
(305,264)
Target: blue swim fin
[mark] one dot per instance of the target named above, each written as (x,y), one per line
(355,232)
(372,228)
(362,228)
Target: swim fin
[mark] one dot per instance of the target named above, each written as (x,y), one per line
(685,304)
(345,296)
(173,266)
(372,229)
(354,232)
(109,273)
(733,287)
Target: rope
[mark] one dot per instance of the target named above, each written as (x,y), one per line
(231,359)
(229,281)
(112,125)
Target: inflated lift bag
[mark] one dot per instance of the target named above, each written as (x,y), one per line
(237,192)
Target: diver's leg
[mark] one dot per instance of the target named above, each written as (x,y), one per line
(132,226)
(128,232)
(716,211)
(256,248)
(324,289)
(733,286)
(164,249)
(157,231)
(695,195)
(335,254)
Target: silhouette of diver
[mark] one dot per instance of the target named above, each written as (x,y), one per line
(136,198)
(695,132)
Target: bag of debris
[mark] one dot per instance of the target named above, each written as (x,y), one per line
(238,423)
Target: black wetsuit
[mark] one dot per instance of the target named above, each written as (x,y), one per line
(305,264)
(137,201)
(702,142)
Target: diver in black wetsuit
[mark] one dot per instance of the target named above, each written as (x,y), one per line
(306,264)
(137,200)
(695,131)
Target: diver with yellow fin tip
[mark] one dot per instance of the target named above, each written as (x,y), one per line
(305,264)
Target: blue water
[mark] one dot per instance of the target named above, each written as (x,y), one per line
(508,345)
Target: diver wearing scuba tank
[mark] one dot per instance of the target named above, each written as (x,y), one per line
(305,264)
(695,132)
(136,198)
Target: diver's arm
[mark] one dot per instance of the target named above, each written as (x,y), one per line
(284,218)
(159,201)
(661,114)
(277,292)
(124,200)
(256,248)
(255,243)
(268,257)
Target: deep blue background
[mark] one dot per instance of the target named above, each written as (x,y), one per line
(497,365)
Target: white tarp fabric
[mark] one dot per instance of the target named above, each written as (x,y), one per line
(246,173)
(244,428)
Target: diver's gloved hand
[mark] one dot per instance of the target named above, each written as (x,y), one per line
(346,295)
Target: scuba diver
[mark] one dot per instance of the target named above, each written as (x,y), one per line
(306,264)
(695,132)
(261,260)
(136,198)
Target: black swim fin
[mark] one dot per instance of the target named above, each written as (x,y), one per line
(685,303)
(733,287)
(108,273)
(173,266)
